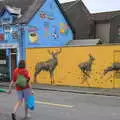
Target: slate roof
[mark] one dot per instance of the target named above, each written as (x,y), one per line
(102,16)
(67,7)
(28,8)
(80,19)
(66,17)
(105,16)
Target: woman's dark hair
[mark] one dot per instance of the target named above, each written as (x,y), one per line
(21,64)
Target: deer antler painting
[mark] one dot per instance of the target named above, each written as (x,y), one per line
(114,67)
(85,68)
(48,65)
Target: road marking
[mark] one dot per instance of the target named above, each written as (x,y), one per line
(53,104)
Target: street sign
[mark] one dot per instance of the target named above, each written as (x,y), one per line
(5,46)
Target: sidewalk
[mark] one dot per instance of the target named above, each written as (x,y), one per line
(79,90)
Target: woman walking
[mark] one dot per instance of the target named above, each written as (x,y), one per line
(22,92)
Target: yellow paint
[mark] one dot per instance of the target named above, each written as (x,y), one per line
(62,30)
(33,37)
(68,73)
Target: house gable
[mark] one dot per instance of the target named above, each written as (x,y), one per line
(48,27)
(8,32)
(6,17)
(80,18)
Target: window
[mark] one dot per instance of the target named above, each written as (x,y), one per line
(6,20)
(7,28)
(2,54)
(15,35)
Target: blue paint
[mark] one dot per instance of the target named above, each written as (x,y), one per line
(22,42)
(11,36)
(14,35)
(47,22)
(47,28)
(6,17)
(7,29)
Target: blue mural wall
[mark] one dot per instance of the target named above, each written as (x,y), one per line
(6,17)
(5,30)
(8,33)
(11,34)
(48,28)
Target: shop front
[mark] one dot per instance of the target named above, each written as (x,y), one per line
(8,61)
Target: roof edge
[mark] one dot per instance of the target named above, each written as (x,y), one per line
(65,16)
(105,12)
(26,22)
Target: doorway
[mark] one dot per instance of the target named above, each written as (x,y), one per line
(8,62)
(13,60)
(4,66)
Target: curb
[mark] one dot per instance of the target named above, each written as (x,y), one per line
(79,92)
(73,91)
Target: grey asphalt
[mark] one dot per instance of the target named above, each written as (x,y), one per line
(55,105)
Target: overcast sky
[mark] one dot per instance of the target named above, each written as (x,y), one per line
(100,5)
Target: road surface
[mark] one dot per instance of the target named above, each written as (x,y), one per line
(54,105)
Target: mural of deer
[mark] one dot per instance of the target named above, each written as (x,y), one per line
(85,67)
(48,65)
(114,67)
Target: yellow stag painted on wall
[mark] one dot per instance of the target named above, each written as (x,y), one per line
(48,65)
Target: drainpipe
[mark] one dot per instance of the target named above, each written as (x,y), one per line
(19,49)
(8,54)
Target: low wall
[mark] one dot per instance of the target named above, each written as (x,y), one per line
(77,66)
